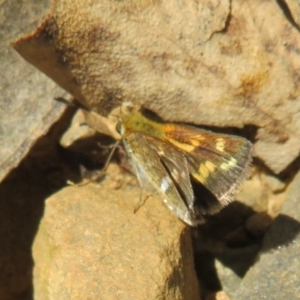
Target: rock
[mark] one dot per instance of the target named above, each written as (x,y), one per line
(224,250)
(91,245)
(276,272)
(217,296)
(232,264)
(258,224)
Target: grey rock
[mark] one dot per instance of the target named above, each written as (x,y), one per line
(275,275)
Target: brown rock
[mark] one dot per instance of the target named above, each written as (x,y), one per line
(259,223)
(90,245)
(217,296)
(206,62)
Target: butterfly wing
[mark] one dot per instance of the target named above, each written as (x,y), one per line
(163,166)
(174,159)
(199,200)
(220,162)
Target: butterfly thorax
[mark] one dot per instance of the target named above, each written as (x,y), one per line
(136,122)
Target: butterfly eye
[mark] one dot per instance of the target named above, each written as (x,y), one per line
(119,127)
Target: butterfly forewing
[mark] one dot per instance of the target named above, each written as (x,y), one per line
(220,162)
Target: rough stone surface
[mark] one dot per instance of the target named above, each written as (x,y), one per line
(27,108)
(217,296)
(258,224)
(187,61)
(91,245)
(224,251)
(276,272)
(22,196)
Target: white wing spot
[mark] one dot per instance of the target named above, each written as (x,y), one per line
(170,208)
(165,184)
(229,164)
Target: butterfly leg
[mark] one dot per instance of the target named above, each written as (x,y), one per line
(142,201)
(98,176)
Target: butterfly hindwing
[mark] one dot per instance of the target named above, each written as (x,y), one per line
(176,165)
(161,174)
